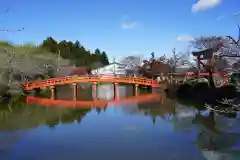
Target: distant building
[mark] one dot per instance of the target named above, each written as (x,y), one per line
(153,69)
(80,71)
(184,69)
(115,69)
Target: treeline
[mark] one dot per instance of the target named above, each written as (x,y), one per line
(76,52)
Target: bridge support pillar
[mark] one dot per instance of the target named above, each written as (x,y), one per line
(74,91)
(52,92)
(136,89)
(94,87)
(115,91)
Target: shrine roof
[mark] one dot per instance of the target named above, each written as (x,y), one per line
(202,52)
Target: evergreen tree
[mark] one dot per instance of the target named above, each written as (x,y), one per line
(75,52)
(104,58)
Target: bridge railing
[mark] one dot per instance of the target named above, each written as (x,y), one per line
(90,77)
(74,79)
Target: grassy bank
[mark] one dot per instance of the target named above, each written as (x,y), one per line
(18,63)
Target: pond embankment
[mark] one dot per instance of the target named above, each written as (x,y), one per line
(202,93)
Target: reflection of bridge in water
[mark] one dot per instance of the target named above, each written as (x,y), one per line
(94,103)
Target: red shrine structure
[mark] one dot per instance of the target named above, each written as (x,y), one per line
(207,54)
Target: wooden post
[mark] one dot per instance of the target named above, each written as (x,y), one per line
(94,87)
(52,92)
(26,85)
(198,66)
(74,91)
(115,91)
(136,89)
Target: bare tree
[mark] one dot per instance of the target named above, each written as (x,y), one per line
(222,46)
(162,59)
(177,60)
(202,43)
(132,61)
(233,41)
(222,64)
(14,61)
(220,53)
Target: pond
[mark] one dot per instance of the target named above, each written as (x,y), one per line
(154,129)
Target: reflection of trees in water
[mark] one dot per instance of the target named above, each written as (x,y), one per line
(207,121)
(102,109)
(133,107)
(24,116)
(67,117)
(214,137)
(225,155)
(214,143)
(182,119)
(207,140)
(156,109)
(211,136)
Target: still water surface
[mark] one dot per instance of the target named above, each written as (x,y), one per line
(152,130)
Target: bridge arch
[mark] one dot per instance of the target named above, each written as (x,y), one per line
(93,79)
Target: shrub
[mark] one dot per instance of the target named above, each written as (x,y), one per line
(184,90)
(228,91)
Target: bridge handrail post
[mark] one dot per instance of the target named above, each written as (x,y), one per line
(26,84)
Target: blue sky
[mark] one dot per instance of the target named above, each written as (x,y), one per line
(121,28)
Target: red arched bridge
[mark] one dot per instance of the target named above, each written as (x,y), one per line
(94,79)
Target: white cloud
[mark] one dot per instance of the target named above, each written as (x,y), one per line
(129,25)
(185,38)
(205,4)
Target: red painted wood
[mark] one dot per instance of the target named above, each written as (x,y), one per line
(94,103)
(83,79)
